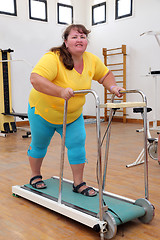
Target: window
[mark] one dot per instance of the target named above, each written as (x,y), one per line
(64,13)
(123,8)
(8,7)
(99,13)
(38,10)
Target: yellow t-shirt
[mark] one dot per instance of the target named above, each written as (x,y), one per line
(52,108)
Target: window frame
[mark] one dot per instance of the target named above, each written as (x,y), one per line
(46,13)
(93,8)
(9,13)
(125,15)
(64,5)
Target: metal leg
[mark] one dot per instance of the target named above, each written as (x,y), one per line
(140,158)
(145,150)
(138,161)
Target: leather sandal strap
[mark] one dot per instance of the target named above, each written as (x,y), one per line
(35,177)
(78,186)
(86,191)
(37,183)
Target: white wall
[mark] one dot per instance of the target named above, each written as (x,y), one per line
(30,39)
(142,52)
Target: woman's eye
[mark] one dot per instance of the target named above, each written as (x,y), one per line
(82,37)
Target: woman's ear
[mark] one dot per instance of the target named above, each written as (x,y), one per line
(65,42)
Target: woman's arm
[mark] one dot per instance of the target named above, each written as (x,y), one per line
(45,86)
(109,83)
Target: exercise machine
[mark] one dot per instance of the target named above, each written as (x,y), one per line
(7,115)
(7,123)
(106,211)
(140,158)
(152,143)
(153,148)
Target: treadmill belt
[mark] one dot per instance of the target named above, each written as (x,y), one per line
(121,210)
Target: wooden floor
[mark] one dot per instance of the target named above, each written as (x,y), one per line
(23,220)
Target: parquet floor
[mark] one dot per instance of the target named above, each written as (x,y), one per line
(23,220)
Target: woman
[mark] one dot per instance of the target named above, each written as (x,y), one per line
(57,75)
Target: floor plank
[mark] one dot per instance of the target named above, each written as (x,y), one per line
(23,220)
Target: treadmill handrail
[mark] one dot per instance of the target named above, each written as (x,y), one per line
(145,137)
(97,101)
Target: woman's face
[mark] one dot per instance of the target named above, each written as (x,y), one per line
(76,42)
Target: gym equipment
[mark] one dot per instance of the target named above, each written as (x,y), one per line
(153,148)
(155,75)
(7,123)
(140,158)
(105,211)
(7,115)
(152,143)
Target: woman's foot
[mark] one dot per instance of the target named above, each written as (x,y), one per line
(83,189)
(36,182)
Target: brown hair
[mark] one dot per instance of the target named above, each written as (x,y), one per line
(65,55)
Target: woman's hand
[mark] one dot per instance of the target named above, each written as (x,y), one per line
(109,83)
(67,93)
(116,90)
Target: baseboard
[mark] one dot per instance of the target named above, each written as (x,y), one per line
(22,123)
(116,119)
(128,120)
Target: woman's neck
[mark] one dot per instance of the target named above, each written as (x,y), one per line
(78,64)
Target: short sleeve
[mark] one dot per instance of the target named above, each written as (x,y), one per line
(100,69)
(47,66)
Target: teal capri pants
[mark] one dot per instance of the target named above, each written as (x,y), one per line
(42,132)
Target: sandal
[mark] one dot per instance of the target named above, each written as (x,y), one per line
(85,192)
(35,185)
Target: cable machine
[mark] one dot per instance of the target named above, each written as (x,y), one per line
(7,123)
(7,115)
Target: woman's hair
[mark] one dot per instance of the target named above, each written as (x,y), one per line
(65,55)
